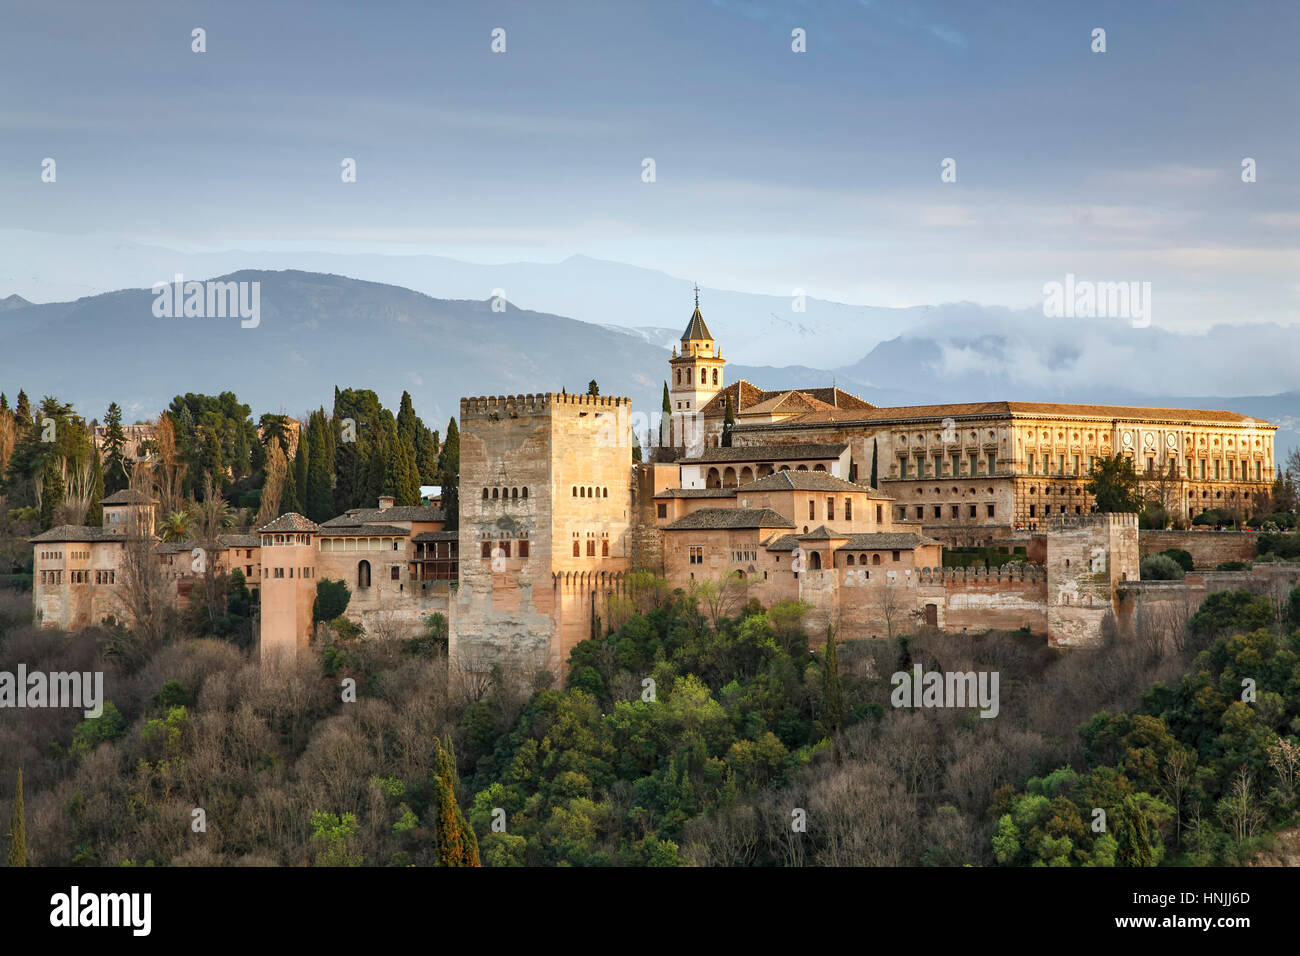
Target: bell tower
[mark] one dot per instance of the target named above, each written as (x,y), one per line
(696,378)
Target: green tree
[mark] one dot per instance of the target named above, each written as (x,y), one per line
(289,499)
(18,828)
(332,599)
(319,498)
(52,492)
(449,475)
(665,420)
(455,840)
(593,388)
(875,451)
(832,689)
(1113,484)
(728,423)
(115,476)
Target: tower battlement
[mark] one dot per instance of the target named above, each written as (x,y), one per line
(1105,519)
(484,405)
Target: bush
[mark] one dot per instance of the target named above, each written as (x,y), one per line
(1160,567)
(1237,611)
(1232,566)
(1281,545)
(1184,558)
(1153,518)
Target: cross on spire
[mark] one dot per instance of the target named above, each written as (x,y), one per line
(697,295)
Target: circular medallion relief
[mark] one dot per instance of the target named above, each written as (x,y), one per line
(1128,439)
(1171,440)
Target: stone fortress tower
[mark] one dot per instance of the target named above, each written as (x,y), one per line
(545,512)
(288,587)
(697,376)
(1088,557)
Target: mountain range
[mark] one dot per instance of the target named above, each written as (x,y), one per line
(319,330)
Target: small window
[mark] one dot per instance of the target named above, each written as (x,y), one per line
(394,573)
(495,494)
(485,494)
(604,547)
(576,552)
(662,510)
(486,549)
(591,547)
(523,549)
(525,493)
(505,548)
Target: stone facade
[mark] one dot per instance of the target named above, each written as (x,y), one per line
(1207,548)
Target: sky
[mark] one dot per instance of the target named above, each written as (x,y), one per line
(774,170)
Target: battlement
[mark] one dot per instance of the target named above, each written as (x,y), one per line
(1017,572)
(534,403)
(1106,519)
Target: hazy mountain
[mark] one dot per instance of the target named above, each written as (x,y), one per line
(317,331)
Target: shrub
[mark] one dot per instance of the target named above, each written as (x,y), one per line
(331,600)
(1232,566)
(1184,558)
(1160,567)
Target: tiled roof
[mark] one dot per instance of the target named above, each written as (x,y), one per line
(127,496)
(291,522)
(696,493)
(795,452)
(707,519)
(76,533)
(240,541)
(395,513)
(787,403)
(362,531)
(427,536)
(822,533)
(886,541)
(783,542)
(1010,409)
(808,481)
(696,329)
(745,395)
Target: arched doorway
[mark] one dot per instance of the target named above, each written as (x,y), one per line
(363,574)
(814,560)
(729,477)
(713,479)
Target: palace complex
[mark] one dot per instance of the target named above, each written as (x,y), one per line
(779,503)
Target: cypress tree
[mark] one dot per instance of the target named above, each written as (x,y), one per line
(23,413)
(832,689)
(874,452)
(289,494)
(301,463)
(409,490)
(456,843)
(18,828)
(449,475)
(728,422)
(51,492)
(593,388)
(666,420)
(426,457)
(319,498)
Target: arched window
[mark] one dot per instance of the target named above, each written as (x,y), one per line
(485,494)
(715,376)
(704,376)
(604,493)
(850,561)
(815,561)
(494,494)
(363,574)
(514,493)
(875,559)
(525,494)
(713,479)
(679,376)
(575,491)
(582,492)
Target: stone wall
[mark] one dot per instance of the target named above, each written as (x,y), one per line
(1207,548)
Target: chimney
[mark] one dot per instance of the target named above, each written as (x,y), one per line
(385,502)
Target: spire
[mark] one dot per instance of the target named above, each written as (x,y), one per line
(696,329)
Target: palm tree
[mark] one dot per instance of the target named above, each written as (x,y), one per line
(175,527)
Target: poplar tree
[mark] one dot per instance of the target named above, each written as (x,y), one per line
(18,828)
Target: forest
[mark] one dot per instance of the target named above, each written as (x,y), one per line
(681,736)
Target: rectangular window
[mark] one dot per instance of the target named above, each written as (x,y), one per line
(696,555)
(1076,464)
(577,553)
(663,510)
(591,547)
(920,511)
(990,509)
(1032,510)
(1189,468)
(1231,463)
(1202,469)
(1216,469)
(848,509)
(953,509)
(972,511)
(1258,467)
(812,509)
(1030,467)
(523,549)
(485,549)
(604,547)
(394,573)
(974,464)
(895,555)
(878,513)
(830,509)
(902,468)
(1060,464)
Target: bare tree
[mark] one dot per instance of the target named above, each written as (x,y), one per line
(143,590)
(1163,489)
(79,488)
(721,597)
(1238,811)
(273,487)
